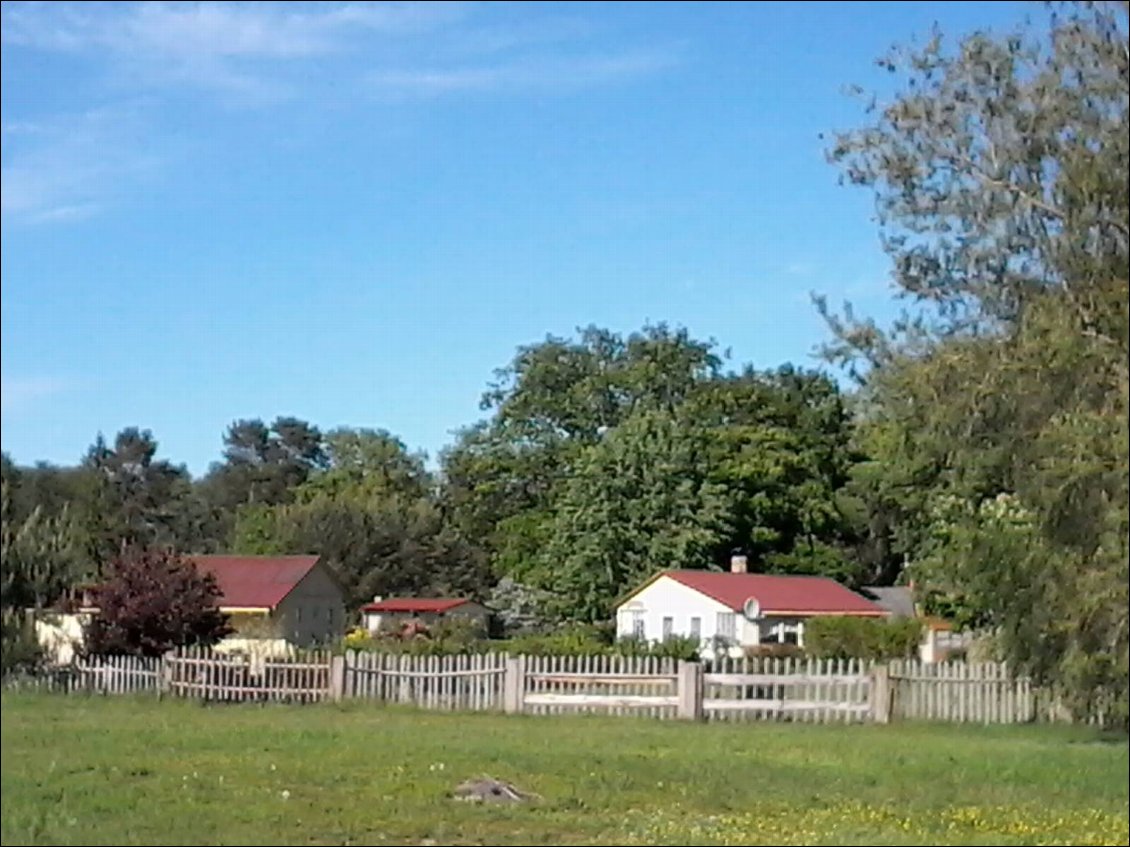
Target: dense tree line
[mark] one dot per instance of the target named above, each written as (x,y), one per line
(604,457)
(982,451)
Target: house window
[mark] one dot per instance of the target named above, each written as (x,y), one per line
(330,615)
(298,614)
(785,633)
(316,610)
(638,629)
(725,625)
(668,627)
(696,628)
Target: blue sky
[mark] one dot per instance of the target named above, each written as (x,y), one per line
(355,212)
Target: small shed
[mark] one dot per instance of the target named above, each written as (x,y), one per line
(383,612)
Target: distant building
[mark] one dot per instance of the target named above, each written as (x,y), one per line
(384,613)
(274,604)
(735,610)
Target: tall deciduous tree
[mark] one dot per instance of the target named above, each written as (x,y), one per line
(554,399)
(367,463)
(638,501)
(772,446)
(999,404)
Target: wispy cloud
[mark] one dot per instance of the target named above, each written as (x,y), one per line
(19,393)
(540,73)
(72,167)
(256,30)
(235,47)
(212,45)
(144,57)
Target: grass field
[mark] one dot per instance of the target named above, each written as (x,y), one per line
(82,770)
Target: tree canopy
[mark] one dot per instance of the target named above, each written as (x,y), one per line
(995,412)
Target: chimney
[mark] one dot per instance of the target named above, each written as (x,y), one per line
(377,598)
(738,562)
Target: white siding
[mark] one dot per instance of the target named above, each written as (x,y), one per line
(61,635)
(668,598)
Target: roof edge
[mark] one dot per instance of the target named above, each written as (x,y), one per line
(453,602)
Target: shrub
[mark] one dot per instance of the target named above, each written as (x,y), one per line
(570,640)
(863,638)
(446,637)
(19,648)
(459,637)
(675,647)
(152,601)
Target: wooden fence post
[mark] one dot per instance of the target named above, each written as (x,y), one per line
(164,675)
(689,687)
(880,694)
(514,685)
(337,678)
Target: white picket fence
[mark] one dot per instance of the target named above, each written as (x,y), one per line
(100,675)
(619,685)
(751,689)
(805,690)
(958,692)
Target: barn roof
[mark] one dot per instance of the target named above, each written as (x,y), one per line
(255,581)
(777,594)
(415,604)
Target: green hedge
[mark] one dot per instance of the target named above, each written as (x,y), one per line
(863,638)
(455,638)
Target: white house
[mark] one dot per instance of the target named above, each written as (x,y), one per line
(734,610)
(383,612)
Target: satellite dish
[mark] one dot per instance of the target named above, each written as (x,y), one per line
(752,608)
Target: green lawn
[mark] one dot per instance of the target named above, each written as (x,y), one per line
(80,770)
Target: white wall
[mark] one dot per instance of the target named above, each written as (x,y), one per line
(667,597)
(60,635)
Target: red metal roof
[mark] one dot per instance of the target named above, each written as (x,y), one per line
(255,581)
(414,604)
(778,595)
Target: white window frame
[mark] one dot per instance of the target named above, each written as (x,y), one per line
(726,625)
